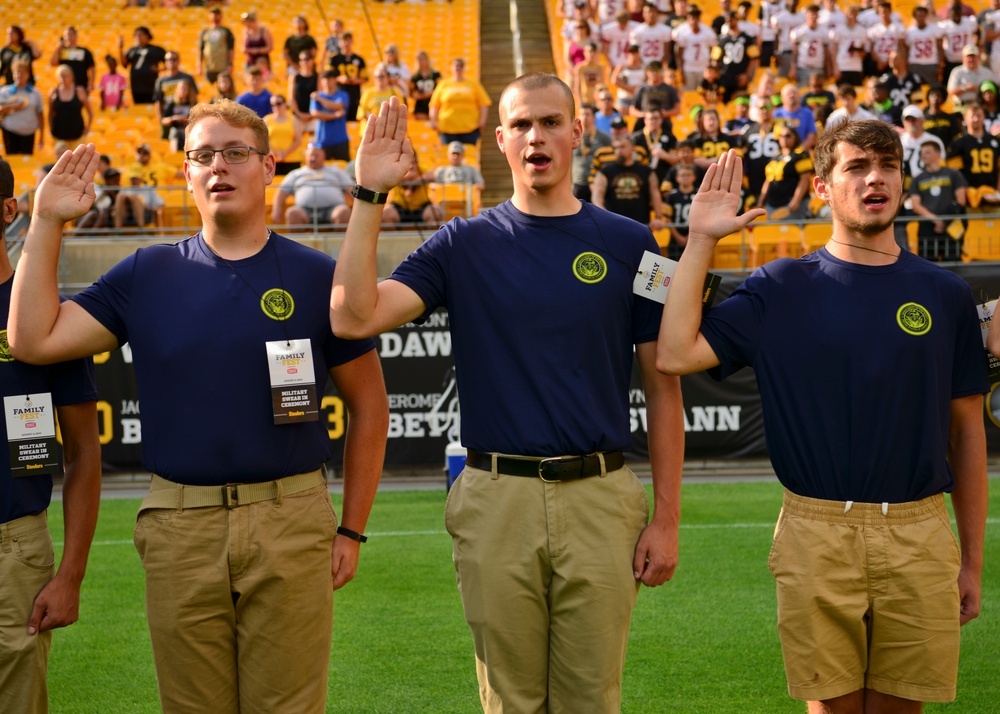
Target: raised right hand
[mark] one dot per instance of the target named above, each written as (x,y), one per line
(385,153)
(715,208)
(67,192)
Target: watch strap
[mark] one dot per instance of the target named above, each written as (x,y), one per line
(368,196)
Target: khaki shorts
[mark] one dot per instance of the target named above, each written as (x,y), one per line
(867,598)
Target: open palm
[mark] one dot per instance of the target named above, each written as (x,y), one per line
(385,154)
(67,191)
(715,208)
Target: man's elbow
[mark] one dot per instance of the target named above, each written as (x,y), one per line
(25,351)
(346,326)
(673,364)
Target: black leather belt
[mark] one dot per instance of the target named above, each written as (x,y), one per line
(553,468)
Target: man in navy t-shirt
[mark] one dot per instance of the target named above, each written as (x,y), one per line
(871,370)
(231,341)
(549,528)
(34,598)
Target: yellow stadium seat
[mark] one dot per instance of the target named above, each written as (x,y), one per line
(982,239)
(770,241)
(731,253)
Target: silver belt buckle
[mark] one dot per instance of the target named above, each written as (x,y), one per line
(554,459)
(231,495)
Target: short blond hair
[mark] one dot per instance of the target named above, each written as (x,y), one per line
(236,115)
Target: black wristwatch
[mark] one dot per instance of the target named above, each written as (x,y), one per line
(369,196)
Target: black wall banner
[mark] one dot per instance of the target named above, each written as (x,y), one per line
(721,419)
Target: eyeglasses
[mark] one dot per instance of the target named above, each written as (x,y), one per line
(305,59)
(232,155)
(786,136)
(170,59)
(277,102)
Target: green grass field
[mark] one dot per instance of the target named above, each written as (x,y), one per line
(705,642)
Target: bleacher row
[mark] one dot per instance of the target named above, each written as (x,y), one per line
(444,29)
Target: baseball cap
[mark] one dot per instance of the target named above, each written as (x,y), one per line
(110,173)
(618,123)
(144,148)
(988,86)
(456,147)
(6,179)
(215,10)
(742,100)
(970,50)
(914,112)
(249,15)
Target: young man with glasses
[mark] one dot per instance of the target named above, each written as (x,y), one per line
(237,536)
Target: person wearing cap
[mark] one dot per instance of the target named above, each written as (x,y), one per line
(693,43)
(216,45)
(849,109)
(240,544)
(143,61)
(399,73)
(166,85)
(35,597)
(615,38)
(627,78)
(76,57)
(936,191)
(976,153)
(257,42)
(922,42)
(606,154)
(320,193)
(991,106)
(959,31)
(352,73)
(152,173)
(300,42)
(21,113)
(913,137)
(964,81)
(652,36)
(736,55)
(549,608)
(873,587)
(458,107)
(741,120)
(591,141)
(457,172)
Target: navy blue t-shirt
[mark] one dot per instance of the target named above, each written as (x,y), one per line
(68,382)
(197,327)
(543,322)
(857,367)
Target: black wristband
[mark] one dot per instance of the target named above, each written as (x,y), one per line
(353,535)
(365,194)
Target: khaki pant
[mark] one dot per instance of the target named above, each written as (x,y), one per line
(240,604)
(26,565)
(545,573)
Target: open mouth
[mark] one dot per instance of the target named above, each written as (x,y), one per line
(221,188)
(539,161)
(875,201)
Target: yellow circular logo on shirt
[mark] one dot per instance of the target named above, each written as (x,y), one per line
(277,304)
(914,319)
(5,355)
(590,268)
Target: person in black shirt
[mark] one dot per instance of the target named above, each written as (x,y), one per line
(942,124)
(144,61)
(629,188)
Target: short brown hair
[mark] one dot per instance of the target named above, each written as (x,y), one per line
(236,115)
(865,134)
(541,80)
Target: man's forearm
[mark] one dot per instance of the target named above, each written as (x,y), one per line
(81,488)
(967,456)
(355,282)
(682,312)
(35,298)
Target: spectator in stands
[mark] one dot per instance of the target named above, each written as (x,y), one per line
(284,132)
(137,205)
(627,78)
(606,154)
(656,92)
(737,55)
(422,83)
(849,45)
(880,103)
(937,191)
(112,86)
(991,35)
(943,124)
(795,116)
(301,41)
(581,38)
(606,112)
(457,172)
(35,598)
(886,36)
(399,73)
(17,47)
(764,96)
(783,23)
(225,89)
(811,48)
(320,193)
(709,141)
(629,188)
(652,37)
(923,45)
(331,46)
(68,104)
(216,46)
(302,85)
(257,42)
(100,214)
(77,58)
(786,190)
(352,72)
(849,109)
(175,113)
(903,85)
(152,174)
(657,142)
(964,81)
(21,112)
(677,206)
(143,61)
(615,38)
(741,120)
(459,106)
(990,105)
(913,137)
(591,140)
(760,148)
(372,97)
(258,97)
(976,153)
(166,85)
(590,75)
(957,31)
(693,44)
(409,202)
(329,108)
(818,95)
